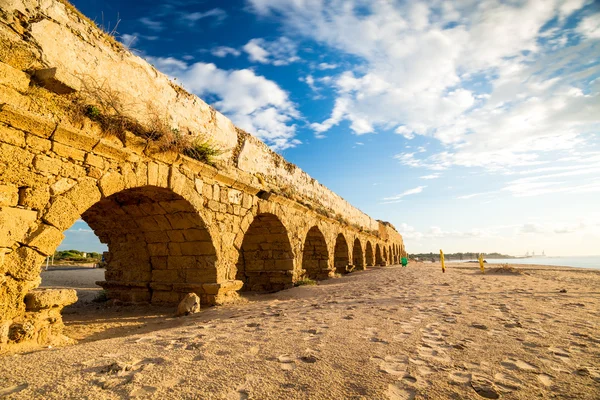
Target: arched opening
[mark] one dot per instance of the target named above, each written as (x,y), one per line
(378,259)
(396,260)
(390,255)
(266,260)
(158,246)
(385,259)
(369,255)
(341,257)
(357,255)
(315,255)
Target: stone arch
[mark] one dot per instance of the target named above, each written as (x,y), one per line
(144,228)
(266,260)
(341,254)
(315,256)
(358,259)
(390,255)
(159,248)
(385,254)
(378,259)
(369,255)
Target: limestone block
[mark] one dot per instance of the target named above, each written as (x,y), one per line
(111,183)
(46,239)
(167,276)
(94,161)
(11,136)
(181,262)
(14,224)
(84,194)
(197,248)
(26,122)
(43,163)
(68,151)
(24,263)
(12,154)
(72,138)
(174,249)
(9,195)
(156,237)
(199,185)
(216,192)
(189,305)
(196,235)
(38,143)
(176,236)
(62,213)
(61,186)
(12,97)
(107,149)
(13,77)
(57,80)
(48,298)
(160,297)
(159,262)
(199,275)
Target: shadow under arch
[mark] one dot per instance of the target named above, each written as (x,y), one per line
(378,259)
(266,260)
(369,254)
(358,259)
(341,254)
(315,257)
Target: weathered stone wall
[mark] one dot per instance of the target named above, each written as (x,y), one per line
(173,225)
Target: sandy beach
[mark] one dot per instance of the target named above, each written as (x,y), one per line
(384,333)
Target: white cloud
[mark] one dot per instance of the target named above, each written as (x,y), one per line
(325,66)
(430,176)
(217,13)
(253,102)
(224,51)
(279,52)
(155,26)
(475,76)
(409,192)
(590,26)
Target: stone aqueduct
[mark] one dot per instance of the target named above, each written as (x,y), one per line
(173,225)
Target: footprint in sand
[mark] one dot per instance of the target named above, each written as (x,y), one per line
(507,383)
(459,377)
(431,353)
(394,365)
(286,362)
(514,364)
(545,380)
(396,391)
(484,387)
(559,353)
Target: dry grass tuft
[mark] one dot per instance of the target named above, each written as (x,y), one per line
(505,269)
(104,105)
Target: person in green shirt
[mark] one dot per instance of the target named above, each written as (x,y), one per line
(404,261)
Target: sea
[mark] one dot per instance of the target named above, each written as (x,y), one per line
(592,262)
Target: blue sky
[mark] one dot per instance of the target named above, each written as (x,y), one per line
(471,126)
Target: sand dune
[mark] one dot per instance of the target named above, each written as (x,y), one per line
(385,333)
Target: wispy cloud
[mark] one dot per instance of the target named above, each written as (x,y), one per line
(397,198)
(217,13)
(282,51)
(224,51)
(431,176)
